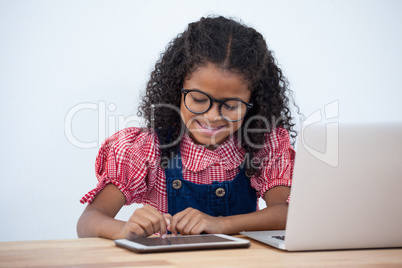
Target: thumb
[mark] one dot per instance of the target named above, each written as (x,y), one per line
(168,219)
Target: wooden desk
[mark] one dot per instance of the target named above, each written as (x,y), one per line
(98,252)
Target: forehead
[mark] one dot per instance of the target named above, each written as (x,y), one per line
(217,82)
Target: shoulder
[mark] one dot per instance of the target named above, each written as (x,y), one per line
(125,159)
(279,134)
(129,137)
(277,137)
(276,141)
(128,142)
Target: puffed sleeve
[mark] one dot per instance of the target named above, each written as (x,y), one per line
(124,160)
(277,158)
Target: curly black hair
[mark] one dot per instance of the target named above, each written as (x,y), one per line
(229,45)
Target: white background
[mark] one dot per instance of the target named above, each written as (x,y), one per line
(55,55)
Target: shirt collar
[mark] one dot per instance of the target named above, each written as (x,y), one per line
(196,157)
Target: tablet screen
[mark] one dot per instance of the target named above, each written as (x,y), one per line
(179,240)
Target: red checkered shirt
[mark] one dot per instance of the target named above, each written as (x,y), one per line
(130,160)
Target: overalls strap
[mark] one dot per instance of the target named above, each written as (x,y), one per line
(217,199)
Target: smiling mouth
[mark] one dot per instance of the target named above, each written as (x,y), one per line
(208,127)
(208,130)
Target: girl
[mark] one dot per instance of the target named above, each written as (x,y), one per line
(218,117)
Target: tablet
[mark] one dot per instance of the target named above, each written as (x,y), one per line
(182,242)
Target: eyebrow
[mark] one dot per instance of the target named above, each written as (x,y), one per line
(236,98)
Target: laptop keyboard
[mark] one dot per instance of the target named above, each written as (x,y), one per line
(280,237)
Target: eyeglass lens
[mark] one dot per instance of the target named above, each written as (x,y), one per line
(198,102)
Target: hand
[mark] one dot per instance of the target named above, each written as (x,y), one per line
(191,221)
(146,221)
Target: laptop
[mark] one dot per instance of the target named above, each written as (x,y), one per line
(346,191)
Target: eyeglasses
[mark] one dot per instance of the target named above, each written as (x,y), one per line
(199,102)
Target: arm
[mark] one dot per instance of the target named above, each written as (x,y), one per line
(98,218)
(273,217)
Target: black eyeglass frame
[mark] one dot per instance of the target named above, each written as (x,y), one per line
(212,100)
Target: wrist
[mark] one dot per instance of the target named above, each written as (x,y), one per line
(113,229)
(227,225)
(121,230)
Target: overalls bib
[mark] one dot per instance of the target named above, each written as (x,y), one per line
(216,199)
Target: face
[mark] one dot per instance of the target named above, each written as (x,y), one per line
(210,128)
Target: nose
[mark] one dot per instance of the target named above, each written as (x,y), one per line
(213,113)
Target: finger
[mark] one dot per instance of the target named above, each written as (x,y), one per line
(199,228)
(168,218)
(146,224)
(173,222)
(193,221)
(134,230)
(144,220)
(176,219)
(187,222)
(157,222)
(164,230)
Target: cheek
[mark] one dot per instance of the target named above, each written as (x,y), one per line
(184,113)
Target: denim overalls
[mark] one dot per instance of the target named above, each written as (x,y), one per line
(216,199)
